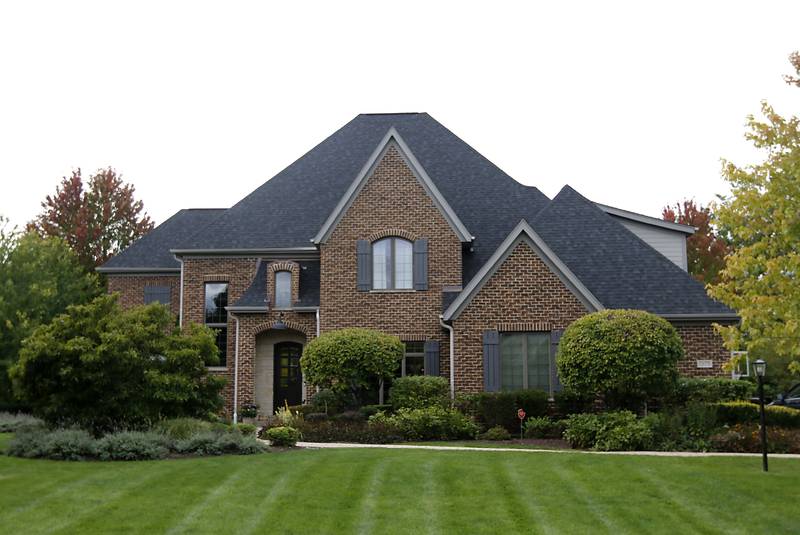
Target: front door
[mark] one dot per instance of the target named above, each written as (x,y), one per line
(288,387)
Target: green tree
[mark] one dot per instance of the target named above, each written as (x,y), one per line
(39,278)
(762,216)
(623,356)
(101,368)
(351,360)
(705,249)
(98,221)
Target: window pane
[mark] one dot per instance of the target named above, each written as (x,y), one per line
(539,361)
(511,361)
(381,267)
(415,347)
(222,344)
(403,259)
(415,365)
(283,289)
(156,294)
(216,301)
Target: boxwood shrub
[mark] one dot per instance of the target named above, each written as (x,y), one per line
(495,433)
(610,431)
(712,390)
(419,392)
(544,427)
(282,436)
(433,423)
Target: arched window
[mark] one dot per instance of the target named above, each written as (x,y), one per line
(283,289)
(392,263)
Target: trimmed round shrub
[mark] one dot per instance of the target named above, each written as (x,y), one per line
(358,432)
(495,433)
(58,444)
(181,428)
(543,427)
(624,356)
(349,361)
(246,430)
(282,436)
(419,392)
(133,446)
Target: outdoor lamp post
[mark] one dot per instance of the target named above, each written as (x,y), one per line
(760,369)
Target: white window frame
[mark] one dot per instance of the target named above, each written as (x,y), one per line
(275,278)
(391,282)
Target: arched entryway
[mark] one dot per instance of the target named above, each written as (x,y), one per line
(277,369)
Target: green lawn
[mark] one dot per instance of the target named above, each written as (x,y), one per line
(401,491)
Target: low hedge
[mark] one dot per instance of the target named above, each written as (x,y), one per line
(11,422)
(544,427)
(79,445)
(359,432)
(433,423)
(746,438)
(495,433)
(712,390)
(500,408)
(743,412)
(610,431)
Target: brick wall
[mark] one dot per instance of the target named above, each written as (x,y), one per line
(523,291)
(391,203)
(131,289)
(702,342)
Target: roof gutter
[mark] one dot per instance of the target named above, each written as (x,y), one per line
(145,270)
(726,318)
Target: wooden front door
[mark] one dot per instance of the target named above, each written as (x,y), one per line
(288,386)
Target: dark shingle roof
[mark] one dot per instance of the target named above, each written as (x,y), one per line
(289,209)
(619,268)
(256,293)
(152,250)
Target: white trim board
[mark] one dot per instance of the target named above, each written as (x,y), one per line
(522,233)
(392,138)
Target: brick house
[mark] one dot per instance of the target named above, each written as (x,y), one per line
(394,223)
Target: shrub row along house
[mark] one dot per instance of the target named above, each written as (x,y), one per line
(394,223)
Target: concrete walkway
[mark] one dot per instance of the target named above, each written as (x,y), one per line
(339,445)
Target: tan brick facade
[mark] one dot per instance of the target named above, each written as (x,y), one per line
(522,291)
(391,203)
(131,289)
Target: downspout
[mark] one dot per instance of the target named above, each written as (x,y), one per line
(317,322)
(180,301)
(236,373)
(452,357)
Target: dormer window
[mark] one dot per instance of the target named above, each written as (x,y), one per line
(283,289)
(392,264)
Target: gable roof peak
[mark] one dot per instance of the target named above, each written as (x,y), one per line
(392,138)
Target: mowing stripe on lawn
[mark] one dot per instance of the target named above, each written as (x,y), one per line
(584,497)
(536,512)
(279,487)
(429,498)
(108,499)
(366,519)
(211,496)
(516,506)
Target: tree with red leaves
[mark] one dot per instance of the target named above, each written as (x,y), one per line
(705,249)
(96,222)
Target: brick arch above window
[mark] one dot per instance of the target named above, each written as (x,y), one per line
(392,232)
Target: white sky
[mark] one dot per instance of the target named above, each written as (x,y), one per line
(198,104)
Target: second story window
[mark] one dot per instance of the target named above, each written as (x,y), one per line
(392,264)
(283,289)
(216,316)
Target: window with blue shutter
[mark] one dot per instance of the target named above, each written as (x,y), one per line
(421,264)
(432,357)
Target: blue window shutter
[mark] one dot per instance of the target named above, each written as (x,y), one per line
(491,361)
(432,357)
(157,294)
(421,264)
(364,266)
(555,338)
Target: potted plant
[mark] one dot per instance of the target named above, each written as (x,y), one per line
(248,413)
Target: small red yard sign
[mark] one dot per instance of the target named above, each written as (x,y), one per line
(521,414)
